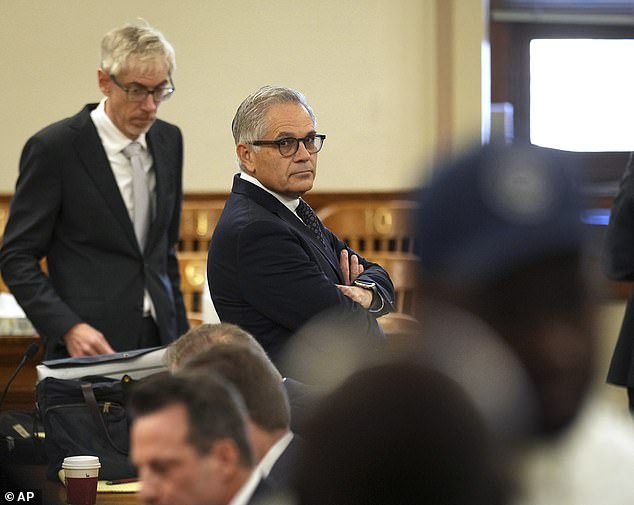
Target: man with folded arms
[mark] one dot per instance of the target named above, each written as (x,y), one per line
(272,265)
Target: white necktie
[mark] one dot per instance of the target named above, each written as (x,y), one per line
(140,191)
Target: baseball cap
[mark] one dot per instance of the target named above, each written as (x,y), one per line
(495,208)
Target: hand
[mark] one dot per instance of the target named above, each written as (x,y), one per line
(358,294)
(84,340)
(350,267)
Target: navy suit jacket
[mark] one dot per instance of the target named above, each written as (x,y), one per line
(302,399)
(67,207)
(281,474)
(269,274)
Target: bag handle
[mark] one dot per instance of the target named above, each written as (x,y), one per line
(93,408)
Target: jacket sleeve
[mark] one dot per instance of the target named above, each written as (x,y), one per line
(618,256)
(34,209)
(372,272)
(279,278)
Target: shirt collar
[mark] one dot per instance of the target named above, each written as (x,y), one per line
(111,137)
(291,203)
(244,494)
(272,455)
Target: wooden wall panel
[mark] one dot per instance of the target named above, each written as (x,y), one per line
(21,395)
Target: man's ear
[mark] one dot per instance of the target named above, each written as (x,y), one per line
(245,155)
(226,455)
(105,83)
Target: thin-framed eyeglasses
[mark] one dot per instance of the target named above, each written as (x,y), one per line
(137,93)
(288,146)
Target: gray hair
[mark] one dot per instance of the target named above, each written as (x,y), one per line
(250,124)
(210,336)
(140,46)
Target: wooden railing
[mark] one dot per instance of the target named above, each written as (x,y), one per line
(200,215)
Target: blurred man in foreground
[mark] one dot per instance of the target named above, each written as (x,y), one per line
(207,337)
(510,313)
(275,446)
(189,442)
(500,236)
(399,433)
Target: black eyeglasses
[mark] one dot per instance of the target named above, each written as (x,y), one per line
(138,93)
(288,146)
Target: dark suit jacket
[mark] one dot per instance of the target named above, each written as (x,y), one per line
(281,474)
(263,494)
(619,265)
(67,207)
(302,399)
(270,275)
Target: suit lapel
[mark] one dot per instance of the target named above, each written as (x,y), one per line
(161,172)
(273,205)
(93,157)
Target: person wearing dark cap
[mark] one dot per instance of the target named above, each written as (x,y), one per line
(500,236)
(502,244)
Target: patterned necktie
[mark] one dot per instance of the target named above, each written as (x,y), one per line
(140,191)
(307,214)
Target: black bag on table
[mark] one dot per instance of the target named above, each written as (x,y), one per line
(86,417)
(20,442)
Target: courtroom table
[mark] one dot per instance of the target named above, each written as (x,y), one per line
(33,478)
(55,494)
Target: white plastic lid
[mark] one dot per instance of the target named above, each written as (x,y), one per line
(81,462)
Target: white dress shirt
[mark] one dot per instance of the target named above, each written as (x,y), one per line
(290,203)
(114,142)
(272,455)
(245,493)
